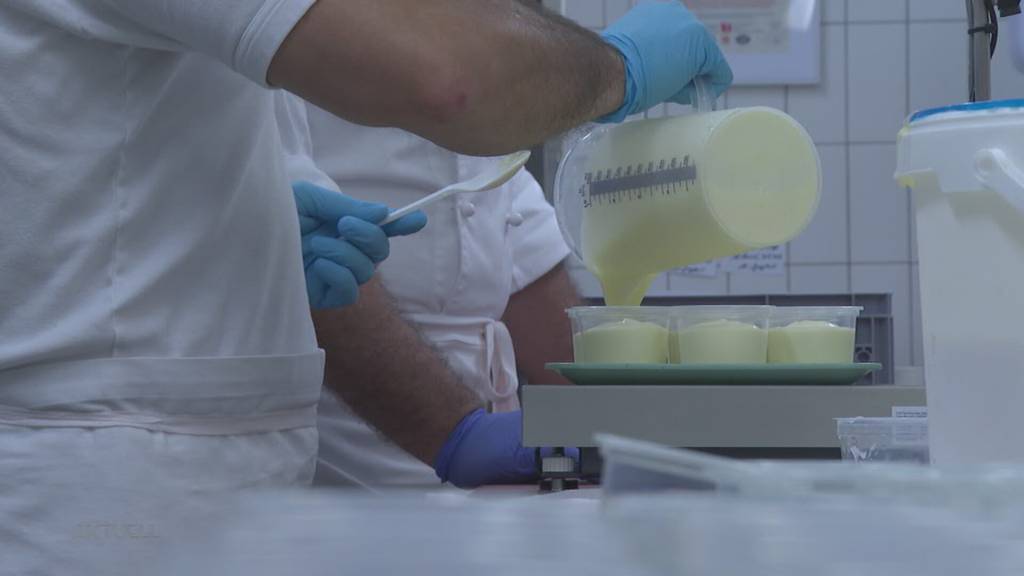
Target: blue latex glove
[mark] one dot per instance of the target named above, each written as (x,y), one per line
(488,449)
(664,48)
(341,242)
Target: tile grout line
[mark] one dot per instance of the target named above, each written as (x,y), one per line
(901,21)
(789,245)
(912,331)
(865,262)
(858,143)
(846,129)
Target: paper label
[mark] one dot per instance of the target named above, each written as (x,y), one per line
(910,432)
(767,261)
(748,26)
(909,411)
(702,270)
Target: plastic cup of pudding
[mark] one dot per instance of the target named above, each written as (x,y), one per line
(719,335)
(812,335)
(619,334)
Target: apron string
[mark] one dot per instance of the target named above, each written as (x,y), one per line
(494,342)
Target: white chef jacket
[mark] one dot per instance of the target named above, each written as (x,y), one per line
(452,280)
(155,337)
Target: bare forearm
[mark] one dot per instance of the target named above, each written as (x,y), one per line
(475,76)
(382,368)
(540,328)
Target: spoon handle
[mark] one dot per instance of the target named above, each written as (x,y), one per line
(425,201)
(510,165)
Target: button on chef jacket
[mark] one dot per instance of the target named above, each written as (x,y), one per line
(452,280)
(155,336)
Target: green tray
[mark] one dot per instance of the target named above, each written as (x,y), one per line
(714,374)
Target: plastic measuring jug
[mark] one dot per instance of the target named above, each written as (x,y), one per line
(639,198)
(966,166)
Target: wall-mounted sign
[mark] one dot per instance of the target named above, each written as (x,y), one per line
(766,41)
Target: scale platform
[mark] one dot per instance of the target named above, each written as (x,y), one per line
(788,422)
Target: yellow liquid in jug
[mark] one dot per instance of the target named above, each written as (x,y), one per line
(757,182)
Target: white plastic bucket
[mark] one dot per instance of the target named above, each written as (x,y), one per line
(966,167)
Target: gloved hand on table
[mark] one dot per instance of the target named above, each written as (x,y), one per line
(341,242)
(488,449)
(664,47)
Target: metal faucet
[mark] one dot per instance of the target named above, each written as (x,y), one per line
(982,27)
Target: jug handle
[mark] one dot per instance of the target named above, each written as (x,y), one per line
(997,172)
(703,97)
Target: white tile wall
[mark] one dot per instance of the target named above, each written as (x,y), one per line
(930,84)
(876,80)
(878,207)
(741,96)
(1007,81)
(660,286)
(826,238)
(877,11)
(882,59)
(822,108)
(698,286)
(813,279)
(937,10)
(614,9)
(589,13)
(746,283)
(833,11)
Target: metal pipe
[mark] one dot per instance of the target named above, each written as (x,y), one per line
(979,61)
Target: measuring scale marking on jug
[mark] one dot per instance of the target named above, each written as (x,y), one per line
(621,185)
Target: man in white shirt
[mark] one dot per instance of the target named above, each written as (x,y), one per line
(489,259)
(152,343)
(483,284)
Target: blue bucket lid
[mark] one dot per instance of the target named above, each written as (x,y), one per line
(968,107)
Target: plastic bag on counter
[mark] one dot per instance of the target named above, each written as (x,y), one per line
(884,439)
(638,467)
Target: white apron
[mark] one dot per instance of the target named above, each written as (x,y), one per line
(452,281)
(155,336)
(131,444)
